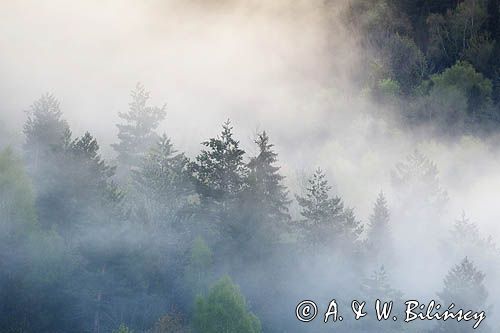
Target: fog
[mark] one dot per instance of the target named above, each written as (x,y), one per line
(288,67)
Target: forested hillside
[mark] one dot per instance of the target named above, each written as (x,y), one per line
(161,242)
(349,155)
(438,61)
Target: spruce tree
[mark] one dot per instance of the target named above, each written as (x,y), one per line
(378,287)
(45,131)
(464,287)
(379,233)
(264,211)
(265,181)
(219,171)
(417,180)
(137,134)
(325,219)
(161,184)
(466,237)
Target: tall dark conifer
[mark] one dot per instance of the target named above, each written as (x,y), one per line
(265,181)
(137,134)
(326,221)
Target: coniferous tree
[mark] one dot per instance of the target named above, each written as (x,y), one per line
(264,210)
(45,131)
(319,210)
(325,219)
(378,287)
(47,135)
(162,185)
(219,174)
(265,181)
(137,134)
(219,171)
(417,181)
(464,287)
(379,233)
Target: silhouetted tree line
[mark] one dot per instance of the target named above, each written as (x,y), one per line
(149,246)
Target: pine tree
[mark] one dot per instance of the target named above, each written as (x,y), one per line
(265,181)
(464,287)
(224,310)
(162,185)
(417,179)
(219,171)
(325,219)
(137,134)
(264,210)
(378,287)
(379,233)
(72,182)
(45,130)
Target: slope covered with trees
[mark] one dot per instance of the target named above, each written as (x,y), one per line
(207,243)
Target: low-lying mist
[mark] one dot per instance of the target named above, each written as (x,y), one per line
(289,68)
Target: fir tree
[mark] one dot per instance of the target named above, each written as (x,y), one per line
(137,134)
(464,287)
(378,287)
(265,181)
(417,179)
(379,233)
(162,184)
(45,130)
(219,171)
(264,210)
(325,218)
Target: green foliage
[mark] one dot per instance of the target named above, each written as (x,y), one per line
(137,135)
(443,55)
(224,309)
(405,62)
(123,329)
(45,130)
(161,185)
(471,84)
(199,267)
(17,214)
(265,204)
(219,171)
(325,219)
(458,35)
(265,181)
